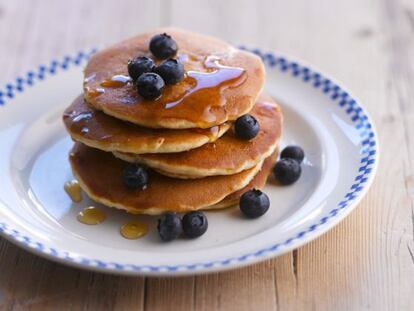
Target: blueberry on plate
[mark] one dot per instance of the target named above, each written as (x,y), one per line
(194,224)
(287,171)
(293,152)
(162,46)
(254,203)
(169,226)
(139,65)
(247,127)
(135,176)
(150,85)
(171,70)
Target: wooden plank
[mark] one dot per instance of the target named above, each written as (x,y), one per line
(399,26)
(170,293)
(237,290)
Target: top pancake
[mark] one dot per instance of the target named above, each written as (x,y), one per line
(96,129)
(221,83)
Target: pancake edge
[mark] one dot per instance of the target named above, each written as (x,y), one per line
(188,172)
(111,147)
(157,210)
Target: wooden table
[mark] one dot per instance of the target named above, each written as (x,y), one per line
(365,263)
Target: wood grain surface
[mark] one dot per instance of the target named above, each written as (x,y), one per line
(364,263)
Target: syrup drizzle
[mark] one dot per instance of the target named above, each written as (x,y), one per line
(219,76)
(211,133)
(94,92)
(198,98)
(83,116)
(116,81)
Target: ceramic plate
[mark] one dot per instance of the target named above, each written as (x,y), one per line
(36,214)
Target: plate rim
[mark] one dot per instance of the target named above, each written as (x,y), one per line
(274,61)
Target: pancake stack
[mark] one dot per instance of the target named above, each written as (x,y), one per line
(185,139)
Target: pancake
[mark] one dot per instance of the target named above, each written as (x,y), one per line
(96,129)
(221,83)
(258,182)
(228,155)
(100,175)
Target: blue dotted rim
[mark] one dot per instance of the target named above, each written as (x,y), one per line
(337,95)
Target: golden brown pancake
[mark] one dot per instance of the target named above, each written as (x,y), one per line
(96,129)
(100,176)
(228,155)
(221,83)
(258,182)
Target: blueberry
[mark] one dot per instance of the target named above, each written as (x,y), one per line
(247,127)
(287,171)
(140,65)
(135,176)
(194,224)
(293,152)
(171,70)
(162,46)
(150,85)
(169,226)
(254,203)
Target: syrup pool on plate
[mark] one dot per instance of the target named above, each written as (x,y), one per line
(134,230)
(92,215)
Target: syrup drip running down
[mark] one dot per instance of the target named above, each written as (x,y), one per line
(134,230)
(73,189)
(79,119)
(212,133)
(94,92)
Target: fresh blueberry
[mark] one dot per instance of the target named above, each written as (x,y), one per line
(150,85)
(194,224)
(135,176)
(247,127)
(162,46)
(254,203)
(171,70)
(140,65)
(293,152)
(287,171)
(169,226)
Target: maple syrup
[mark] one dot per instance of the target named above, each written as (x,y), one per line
(212,132)
(73,189)
(91,216)
(116,81)
(134,230)
(198,98)
(94,92)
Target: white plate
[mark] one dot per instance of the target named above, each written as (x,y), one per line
(36,214)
